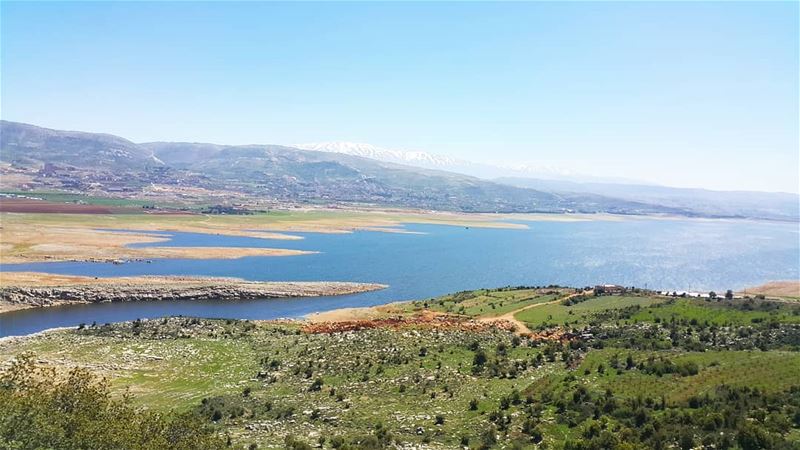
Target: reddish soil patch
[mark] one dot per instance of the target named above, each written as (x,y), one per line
(552,334)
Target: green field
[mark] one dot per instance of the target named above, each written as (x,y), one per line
(716,313)
(773,371)
(490,302)
(63,197)
(558,314)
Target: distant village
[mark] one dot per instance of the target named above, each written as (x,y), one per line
(615,289)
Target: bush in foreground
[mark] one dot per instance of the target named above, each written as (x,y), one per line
(41,409)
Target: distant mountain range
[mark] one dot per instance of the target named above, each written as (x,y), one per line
(39,158)
(556,180)
(778,205)
(412,158)
(441,162)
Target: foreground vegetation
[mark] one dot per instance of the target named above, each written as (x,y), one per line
(41,410)
(630,371)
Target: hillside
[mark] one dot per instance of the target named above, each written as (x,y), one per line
(293,174)
(24,145)
(769,205)
(630,371)
(39,159)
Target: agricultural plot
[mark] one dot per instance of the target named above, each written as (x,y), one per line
(490,302)
(724,312)
(773,371)
(559,314)
(63,197)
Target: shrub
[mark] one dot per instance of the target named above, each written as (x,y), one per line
(292,443)
(316,385)
(43,410)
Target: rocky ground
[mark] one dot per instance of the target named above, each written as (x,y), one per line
(78,290)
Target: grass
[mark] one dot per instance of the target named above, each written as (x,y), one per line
(161,374)
(63,197)
(716,313)
(557,314)
(404,378)
(208,365)
(771,371)
(489,302)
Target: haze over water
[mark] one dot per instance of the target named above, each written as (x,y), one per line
(434,260)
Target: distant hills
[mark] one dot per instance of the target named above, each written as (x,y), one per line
(30,145)
(700,202)
(39,158)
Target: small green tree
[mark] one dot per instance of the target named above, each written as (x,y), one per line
(316,385)
(44,409)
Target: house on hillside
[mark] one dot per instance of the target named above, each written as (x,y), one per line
(609,289)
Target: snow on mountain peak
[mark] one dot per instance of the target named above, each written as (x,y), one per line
(416,158)
(488,170)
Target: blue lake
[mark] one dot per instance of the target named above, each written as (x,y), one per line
(659,254)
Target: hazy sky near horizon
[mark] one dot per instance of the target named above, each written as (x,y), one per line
(677,93)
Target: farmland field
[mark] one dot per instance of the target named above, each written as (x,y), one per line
(557,314)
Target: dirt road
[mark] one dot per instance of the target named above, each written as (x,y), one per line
(520,327)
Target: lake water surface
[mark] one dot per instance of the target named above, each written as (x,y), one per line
(659,254)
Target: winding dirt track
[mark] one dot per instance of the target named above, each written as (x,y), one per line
(519,326)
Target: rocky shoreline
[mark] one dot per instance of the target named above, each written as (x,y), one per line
(15,297)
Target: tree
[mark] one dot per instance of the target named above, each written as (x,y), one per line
(44,410)
(480,358)
(729,294)
(752,437)
(316,385)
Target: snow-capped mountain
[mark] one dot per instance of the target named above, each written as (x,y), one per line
(439,162)
(414,158)
(434,161)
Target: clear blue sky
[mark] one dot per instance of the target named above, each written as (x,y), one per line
(679,93)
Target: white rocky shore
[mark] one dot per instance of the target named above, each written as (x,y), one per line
(13,297)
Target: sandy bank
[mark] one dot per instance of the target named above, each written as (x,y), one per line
(31,290)
(74,237)
(348,314)
(776,289)
(25,242)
